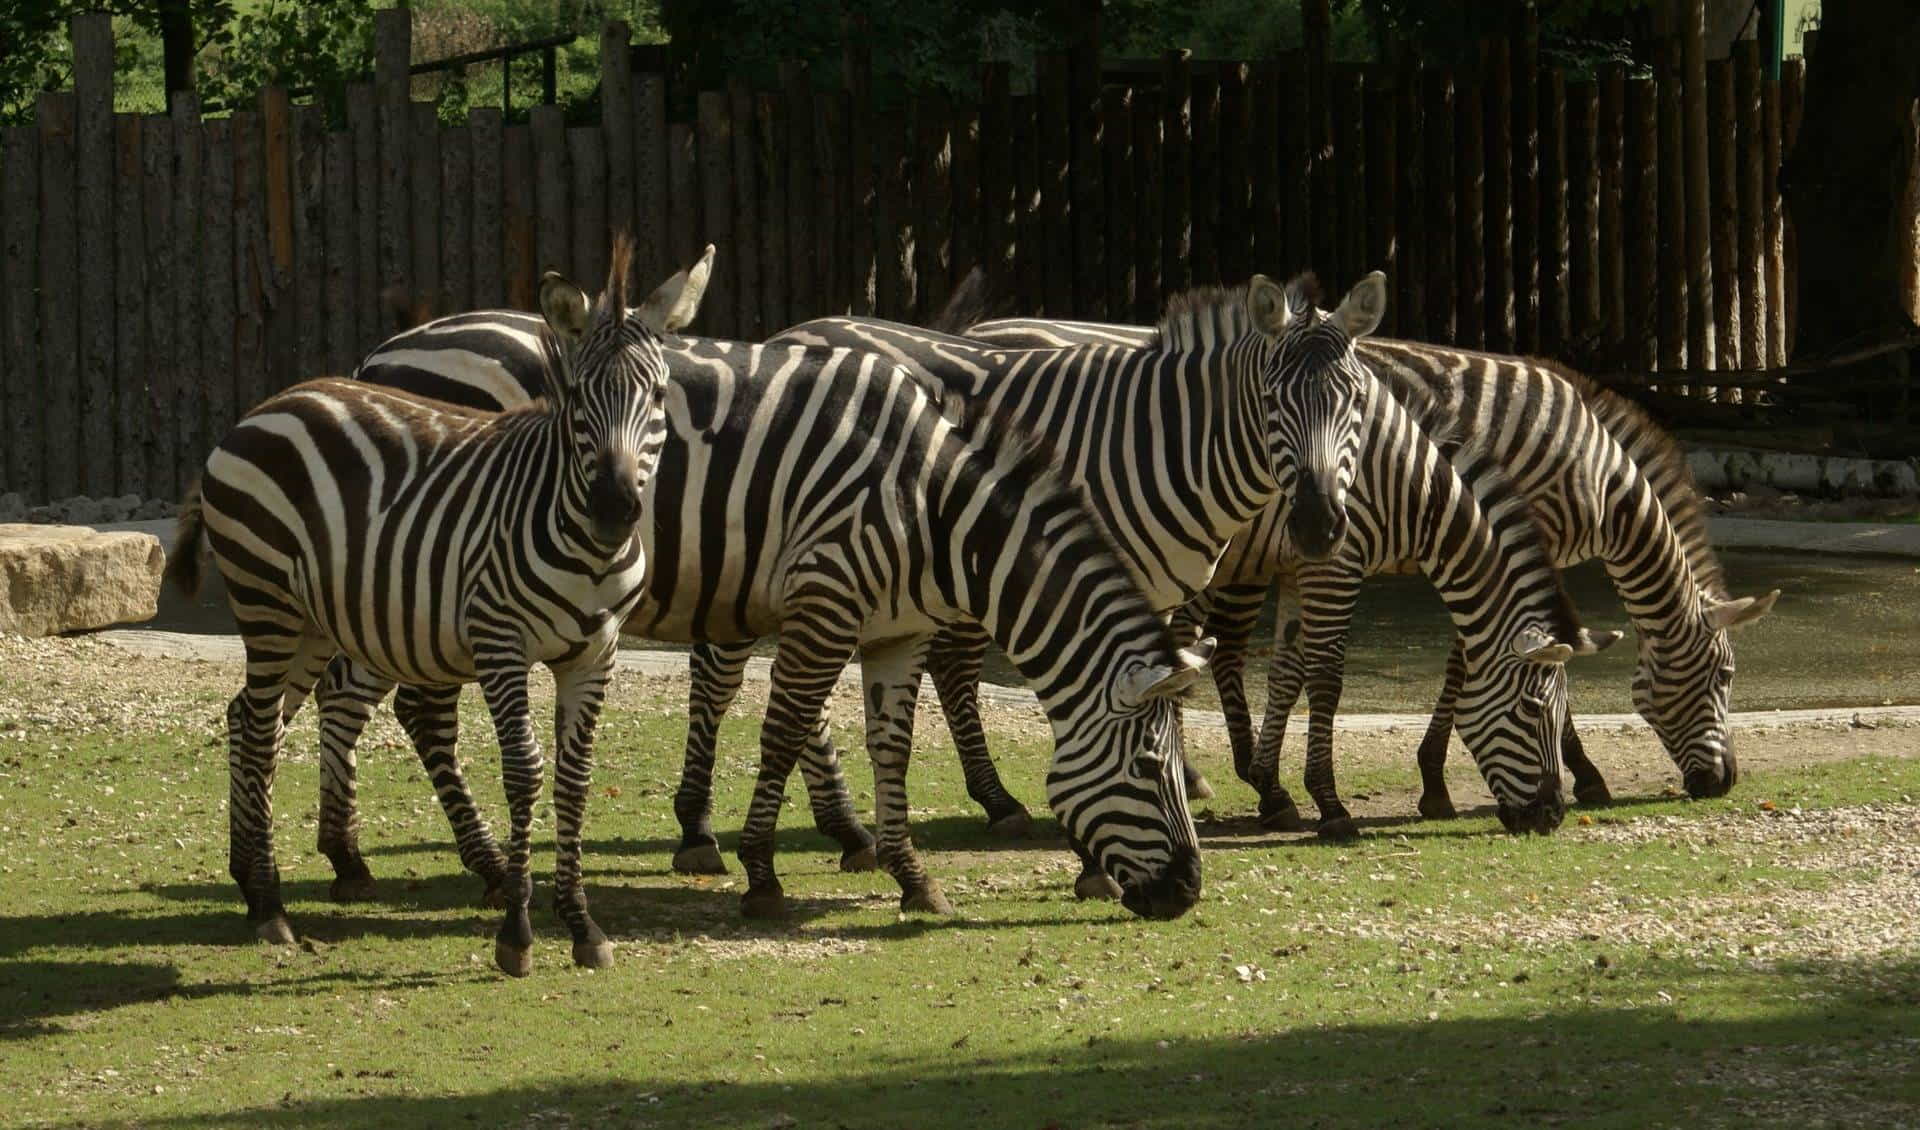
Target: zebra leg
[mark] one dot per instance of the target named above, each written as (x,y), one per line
(1588,786)
(1435,803)
(715,670)
(1286,671)
(816,643)
(954,660)
(346,697)
(892,676)
(503,679)
(580,688)
(1232,614)
(1327,598)
(431,718)
(1092,882)
(1185,624)
(255,729)
(832,801)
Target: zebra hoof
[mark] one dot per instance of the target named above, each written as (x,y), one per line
(1198,787)
(1096,885)
(859,859)
(1439,806)
(514,961)
(1339,828)
(700,859)
(352,888)
(764,904)
(1596,795)
(593,955)
(1285,818)
(1015,825)
(926,900)
(275,931)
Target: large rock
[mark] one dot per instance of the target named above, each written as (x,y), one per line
(69,578)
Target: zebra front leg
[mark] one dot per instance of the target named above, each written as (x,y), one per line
(580,688)
(892,675)
(954,660)
(503,679)
(1231,615)
(1327,596)
(1588,786)
(715,671)
(431,718)
(1185,624)
(346,697)
(816,642)
(1435,803)
(1092,882)
(255,729)
(832,801)
(1286,672)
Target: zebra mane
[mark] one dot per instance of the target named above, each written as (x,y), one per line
(1662,463)
(1224,309)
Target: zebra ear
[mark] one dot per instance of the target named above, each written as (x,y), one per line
(1592,643)
(677,300)
(1140,683)
(1724,614)
(1267,305)
(1536,646)
(1363,307)
(564,306)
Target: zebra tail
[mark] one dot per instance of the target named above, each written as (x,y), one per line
(189,538)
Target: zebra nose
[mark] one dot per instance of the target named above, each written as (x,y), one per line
(1318,520)
(1172,892)
(615,498)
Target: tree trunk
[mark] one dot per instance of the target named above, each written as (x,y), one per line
(1848,183)
(176,47)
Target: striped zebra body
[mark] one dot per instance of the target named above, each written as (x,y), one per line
(1604,482)
(825,495)
(437,546)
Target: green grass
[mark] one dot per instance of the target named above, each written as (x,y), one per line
(1427,975)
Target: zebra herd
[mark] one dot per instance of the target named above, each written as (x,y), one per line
(496,489)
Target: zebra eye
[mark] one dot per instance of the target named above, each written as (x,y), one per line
(1148,765)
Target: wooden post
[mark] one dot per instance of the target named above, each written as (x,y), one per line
(587,208)
(164,458)
(1176,151)
(485,126)
(1297,158)
(251,272)
(997,190)
(1699,199)
(191,441)
(1052,72)
(746,209)
(1773,255)
(93,187)
(343,330)
(1793,83)
(775,151)
(965,135)
(1725,213)
(1676,279)
(1116,118)
(392,51)
(1234,231)
(1317,40)
(1613,234)
(1644,301)
(716,191)
(650,208)
(132,363)
(1442,114)
(273,246)
(686,202)
(1089,195)
(933,203)
(1149,224)
(1263,146)
(862,206)
(552,200)
(1383,246)
(307,287)
(1531,260)
(894,247)
(801,217)
(1409,166)
(1754,296)
(455,238)
(218,327)
(1551,253)
(1584,174)
(22,402)
(363,120)
(617,141)
(1029,237)
(832,225)
(1204,173)
(1472,217)
(1496,89)
(519,217)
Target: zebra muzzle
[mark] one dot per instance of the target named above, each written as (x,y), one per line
(1169,894)
(613,503)
(1317,520)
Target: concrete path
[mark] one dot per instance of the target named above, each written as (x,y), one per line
(673,665)
(1872,538)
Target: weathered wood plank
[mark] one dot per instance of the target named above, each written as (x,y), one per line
(893,215)
(862,203)
(587,207)
(252,264)
(832,227)
(1553,309)
(1772,251)
(392,48)
(192,443)
(519,217)
(967,210)
(20,391)
(1676,280)
(1383,177)
(1442,113)
(1116,133)
(1498,102)
(1752,155)
(1297,162)
(933,203)
(617,143)
(999,219)
(363,121)
(684,204)
(132,362)
(164,479)
(1694,95)
(1646,295)
(1176,151)
(776,157)
(1583,217)
(1793,86)
(1410,167)
(651,209)
(1233,238)
(802,214)
(457,250)
(218,336)
(552,192)
(715,153)
(273,247)
(1149,225)
(1263,149)
(343,329)
(308,153)
(1350,154)
(93,187)
(423,180)
(1471,167)
(1613,234)
(746,209)
(1052,82)
(484,126)
(1203,169)
(1724,201)
(1029,234)
(1530,226)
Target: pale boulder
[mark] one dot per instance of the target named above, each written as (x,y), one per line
(57,579)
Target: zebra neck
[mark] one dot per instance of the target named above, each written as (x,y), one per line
(555,490)
(1643,557)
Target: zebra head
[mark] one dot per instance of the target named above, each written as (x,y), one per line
(1316,389)
(1683,687)
(609,385)
(1126,803)
(1511,713)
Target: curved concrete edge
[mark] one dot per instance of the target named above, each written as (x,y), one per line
(1876,539)
(673,665)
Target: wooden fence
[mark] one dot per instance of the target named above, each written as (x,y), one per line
(161,273)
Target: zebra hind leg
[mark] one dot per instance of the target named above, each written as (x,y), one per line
(1589,787)
(431,718)
(1185,625)
(1285,674)
(1435,802)
(714,671)
(954,660)
(255,730)
(892,676)
(832,803)
(346,697)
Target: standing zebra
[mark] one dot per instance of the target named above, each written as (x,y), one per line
(1604,481)
(825,494)
(437,547)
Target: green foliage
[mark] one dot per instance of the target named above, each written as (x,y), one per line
(292,44)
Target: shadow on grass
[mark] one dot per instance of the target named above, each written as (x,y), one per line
(1844,1040)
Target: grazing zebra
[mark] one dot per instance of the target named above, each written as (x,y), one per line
(436,546)
(825,494)
(1605,482)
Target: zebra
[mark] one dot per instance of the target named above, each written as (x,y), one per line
(829,495)
(1606,483)
(1228,362)
(436,546)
